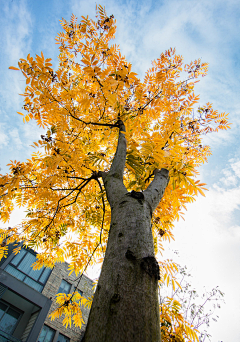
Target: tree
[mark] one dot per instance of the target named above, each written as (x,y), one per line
(76,188)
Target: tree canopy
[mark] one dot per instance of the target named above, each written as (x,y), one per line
(81,105)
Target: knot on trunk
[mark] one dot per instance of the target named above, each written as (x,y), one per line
(150,265)
(129,255)
(115,298)
(139,196)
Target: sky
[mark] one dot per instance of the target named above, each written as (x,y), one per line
(208,240)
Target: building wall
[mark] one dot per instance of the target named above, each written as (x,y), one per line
(50,290)
(27,300)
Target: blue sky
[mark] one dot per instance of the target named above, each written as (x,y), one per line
(209,239)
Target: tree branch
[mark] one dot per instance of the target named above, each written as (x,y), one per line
(155,190)
(119,160)
(113,180)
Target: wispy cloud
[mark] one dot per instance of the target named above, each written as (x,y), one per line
(231,174)
(4,139)
(16,27)
(208,242)
(16,141)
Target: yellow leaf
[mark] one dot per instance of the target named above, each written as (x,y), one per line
(13,68)
(201,192)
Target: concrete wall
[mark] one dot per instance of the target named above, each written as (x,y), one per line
(22,304)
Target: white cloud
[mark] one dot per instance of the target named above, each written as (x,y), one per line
(208,242)
(3,137)
(15,42)
(231,173)
(17,25)
(16,141)
(31,132)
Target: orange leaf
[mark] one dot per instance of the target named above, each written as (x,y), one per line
(13,68)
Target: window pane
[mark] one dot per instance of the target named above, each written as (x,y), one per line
(9,320)
(43,334)
(3,308)
(47,334)
(49,337)
(18,257)
(35,274)
(45,275)
(25,266)
(13,271)
(64,287)
(62,338)
(33,284)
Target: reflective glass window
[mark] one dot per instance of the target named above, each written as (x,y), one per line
(21,267)
(64,287)
(13,271)
(47,334)
(63,338)
(8,318)
(18,257)
(33,284)
(45,275)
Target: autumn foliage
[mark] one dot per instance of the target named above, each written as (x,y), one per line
(79,104)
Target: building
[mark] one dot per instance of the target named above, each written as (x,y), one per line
(27,297)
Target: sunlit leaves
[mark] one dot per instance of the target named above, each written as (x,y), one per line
(173,325)
(69,306)
(79,104)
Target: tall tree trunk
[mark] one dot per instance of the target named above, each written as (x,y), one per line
(125,306)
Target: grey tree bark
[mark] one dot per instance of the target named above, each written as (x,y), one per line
(125,307)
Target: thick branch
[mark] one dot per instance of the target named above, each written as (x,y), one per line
(155,190)
(113,180)
(119,159)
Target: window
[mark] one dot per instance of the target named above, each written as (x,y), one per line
(62,338)
(9,317)
(20,267)
(47,334)
(64,287)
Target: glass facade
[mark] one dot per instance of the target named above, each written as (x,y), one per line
(20,267)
